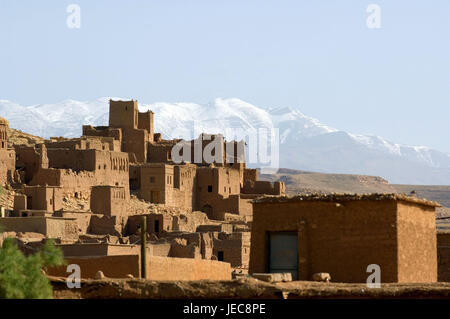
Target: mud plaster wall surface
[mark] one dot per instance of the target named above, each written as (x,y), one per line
(111,266)
(339,238)
(417,251)
(160,268)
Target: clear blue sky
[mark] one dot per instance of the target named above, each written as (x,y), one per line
(318,56)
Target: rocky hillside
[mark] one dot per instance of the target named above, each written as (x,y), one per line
(17,137)
(311,182)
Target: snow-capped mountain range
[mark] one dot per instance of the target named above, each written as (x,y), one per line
(306,143)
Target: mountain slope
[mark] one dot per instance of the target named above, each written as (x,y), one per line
(304,182)
(306,143)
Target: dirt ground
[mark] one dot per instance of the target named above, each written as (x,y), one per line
(247,288)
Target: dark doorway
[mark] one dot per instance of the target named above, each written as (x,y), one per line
(154,197)
(220,256)
(156,226)
(29,202)
(134,184)
(283,253)
(207,209)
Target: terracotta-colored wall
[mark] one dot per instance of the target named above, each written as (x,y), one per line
(88,160)
(7,165)
(101,143)
(3,173)
(263,187)
(123,114)
(134,222)
(416,235)
(109,200)
(24,224)
(75,159)
(98,249)
(245,207)
(27,158)
(226,228)
(44,198)
(160,249)
(225,195)
(79,183)
(185,250)
(81,218)
(194,150)
(250,174)
(7,156)
(158,268)
(64,228)
(183,190)
(135,141)
(190,222)
(111,266)
(107,225)
(3,134)
(174,184)
(52,227)
(161,268)
(224,181)
(20,203)
(103,131)
(154,178)
(235,248)
(339,238)
(145,122)
(160,152)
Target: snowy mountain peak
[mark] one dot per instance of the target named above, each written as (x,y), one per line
(306,143)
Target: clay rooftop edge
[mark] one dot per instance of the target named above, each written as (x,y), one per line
(346,197)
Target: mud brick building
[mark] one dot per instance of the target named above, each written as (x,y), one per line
(7,156)
(131,128)
(233,248)
(101,184)
(64,229)
(214,188)
(85,143)
(109,200)
(29,160)
(76,171)
(251,185)
(45,198)
(160,183)
(343,234)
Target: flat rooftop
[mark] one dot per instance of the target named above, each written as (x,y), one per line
(346,197)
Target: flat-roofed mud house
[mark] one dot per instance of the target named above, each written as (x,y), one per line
(343,234)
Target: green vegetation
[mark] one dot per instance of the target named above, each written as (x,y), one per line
(21,276)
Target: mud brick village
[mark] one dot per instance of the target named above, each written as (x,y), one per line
(215,221)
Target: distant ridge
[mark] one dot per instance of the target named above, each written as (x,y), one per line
(306,143)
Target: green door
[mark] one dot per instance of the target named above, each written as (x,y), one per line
(283,253)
